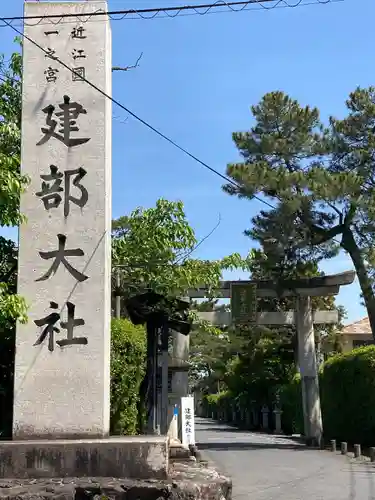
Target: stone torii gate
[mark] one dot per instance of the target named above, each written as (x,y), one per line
(303,317)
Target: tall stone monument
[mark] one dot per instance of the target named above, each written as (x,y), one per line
(62,369)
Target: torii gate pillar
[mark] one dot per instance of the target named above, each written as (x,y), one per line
(308,370)
(304,318)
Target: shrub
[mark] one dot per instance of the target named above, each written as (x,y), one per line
(347,386)
(347,391)
(291,405)
(221,401)
(128,358)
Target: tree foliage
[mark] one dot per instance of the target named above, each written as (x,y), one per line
(320,178)
(210,351)
(249,365)
(152,248)
(128,352)
(12,183)
(347,384)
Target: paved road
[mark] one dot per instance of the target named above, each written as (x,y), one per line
(265,467)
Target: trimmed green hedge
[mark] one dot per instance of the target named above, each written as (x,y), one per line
(216,403)
(347,386)
(291,404)
(347,391)
(128,362)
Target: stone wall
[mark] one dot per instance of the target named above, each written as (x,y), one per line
(187,482)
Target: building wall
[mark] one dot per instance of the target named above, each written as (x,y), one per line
(350,342)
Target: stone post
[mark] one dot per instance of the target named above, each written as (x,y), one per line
(277,412)
(165,418)
(255,417)
(265,413)
(180,379)
(242,416)
(247,419)
(313,426)
(62,365)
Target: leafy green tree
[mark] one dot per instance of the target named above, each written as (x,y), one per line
(152,248)
(254,362)
(270,263)
(322,178)
(210,351)
(265,363)
(12,183)
(208,355)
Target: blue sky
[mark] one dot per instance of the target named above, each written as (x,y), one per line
(197,79)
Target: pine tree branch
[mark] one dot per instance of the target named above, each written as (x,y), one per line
(339,212)
(351,213)
(324,235)
(327,234)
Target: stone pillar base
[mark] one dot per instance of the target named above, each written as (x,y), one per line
(141,457)
(186,481)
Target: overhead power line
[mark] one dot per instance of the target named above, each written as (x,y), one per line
(152,13)
(141,120)
(134,115)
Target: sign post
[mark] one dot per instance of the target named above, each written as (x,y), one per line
(187,420)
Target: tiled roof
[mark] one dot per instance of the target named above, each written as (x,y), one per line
(359,327)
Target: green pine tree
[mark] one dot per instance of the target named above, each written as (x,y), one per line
(320,179)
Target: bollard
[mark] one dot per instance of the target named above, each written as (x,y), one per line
(357,450)
(247,419)
(255,418)
(265,412)
(372,454)
(344,448)
(333,445)
(277,412)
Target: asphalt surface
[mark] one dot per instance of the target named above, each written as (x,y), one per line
(267,467)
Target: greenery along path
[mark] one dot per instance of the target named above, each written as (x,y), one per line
(267,467)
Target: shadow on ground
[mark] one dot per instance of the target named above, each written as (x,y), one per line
(238,445)
(239,430)
(236,430)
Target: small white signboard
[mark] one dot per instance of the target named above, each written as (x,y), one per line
(187,420)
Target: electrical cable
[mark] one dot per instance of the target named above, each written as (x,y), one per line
(151,13)
(141,120)
(134,115)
